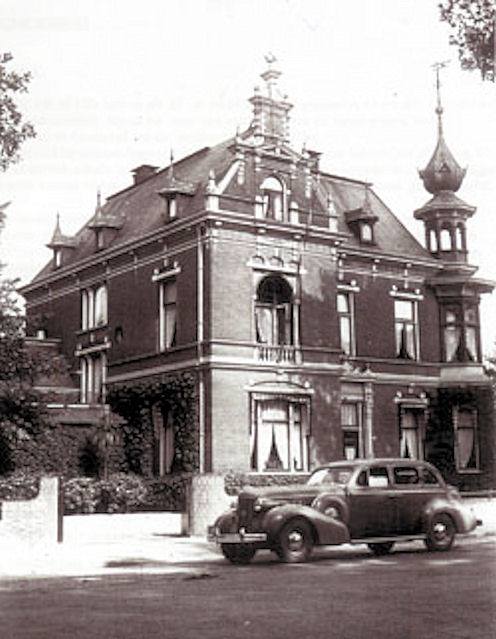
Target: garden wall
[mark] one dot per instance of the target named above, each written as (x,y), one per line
(37,520)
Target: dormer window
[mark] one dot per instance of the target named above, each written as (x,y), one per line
(57,257)
(362,220)
(273,198)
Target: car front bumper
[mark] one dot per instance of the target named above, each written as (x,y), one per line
(215,535)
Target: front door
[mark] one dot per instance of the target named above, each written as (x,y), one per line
(373,506)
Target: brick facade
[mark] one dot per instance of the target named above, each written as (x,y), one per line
(262,247)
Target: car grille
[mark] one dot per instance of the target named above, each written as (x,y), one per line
(245,512)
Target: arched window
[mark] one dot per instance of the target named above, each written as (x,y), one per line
(273,198)
(101,305)
(459,238)
(433,247)
(445,240)
(274,312)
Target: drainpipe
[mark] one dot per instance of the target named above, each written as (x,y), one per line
(199,339)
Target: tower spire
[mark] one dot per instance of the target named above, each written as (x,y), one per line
(439,108)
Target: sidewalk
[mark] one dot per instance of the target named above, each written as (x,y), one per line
(149,543)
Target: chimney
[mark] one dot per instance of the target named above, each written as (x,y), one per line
(143,172)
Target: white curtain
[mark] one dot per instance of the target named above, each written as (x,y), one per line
(451,342)
(409,444)
(263,317)
(465,438)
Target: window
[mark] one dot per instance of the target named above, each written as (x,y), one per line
(345,307)
(460,244)
(405,319)
(274,312)
(94,307)
(164,441)
(351,428)
(466,439)
(411,444)
(366,234)
(375,477)
(433,241)
(93,374)
(167,314)
(445,240)
(171,203)
(278,436)
(273,200)
(406,475)
(57,257)
(461,334)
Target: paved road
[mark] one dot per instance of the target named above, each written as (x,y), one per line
(351,595)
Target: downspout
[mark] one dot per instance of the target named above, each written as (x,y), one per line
(199,353)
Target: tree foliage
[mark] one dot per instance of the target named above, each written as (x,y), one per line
(472,23)
(14,130)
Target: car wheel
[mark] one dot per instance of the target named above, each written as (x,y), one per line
(238,553)
(381,549)
(441,533)
(295,542)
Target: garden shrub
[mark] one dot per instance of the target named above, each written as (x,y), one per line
(80,495)
(167,493)
(19,485)
(120,493)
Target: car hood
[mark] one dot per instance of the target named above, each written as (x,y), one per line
(295,492)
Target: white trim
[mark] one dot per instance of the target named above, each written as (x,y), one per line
(81,352)
(407,295)
(158,275)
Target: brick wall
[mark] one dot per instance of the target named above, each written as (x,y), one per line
(34,520)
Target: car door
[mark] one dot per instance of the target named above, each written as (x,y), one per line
(415,486)
(373,510)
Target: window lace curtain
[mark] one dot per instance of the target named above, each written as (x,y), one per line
(409,444)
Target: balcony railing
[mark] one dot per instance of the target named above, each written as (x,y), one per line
(279,354)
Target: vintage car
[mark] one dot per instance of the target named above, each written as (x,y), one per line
(375,502)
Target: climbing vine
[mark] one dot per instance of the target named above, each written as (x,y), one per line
(174,396)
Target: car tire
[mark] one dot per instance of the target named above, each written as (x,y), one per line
(238,553)
(295,542)
(381,549)
(441,533)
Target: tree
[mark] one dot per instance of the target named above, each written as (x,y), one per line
(473,24)
(13,129)
(22,412)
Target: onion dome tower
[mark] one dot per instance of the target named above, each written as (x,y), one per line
(458,292)
(444,215)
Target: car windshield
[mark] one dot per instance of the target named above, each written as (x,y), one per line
(339,475)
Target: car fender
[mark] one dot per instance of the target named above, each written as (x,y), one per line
(228,521)
(464,519)
(324,501)
(326,529)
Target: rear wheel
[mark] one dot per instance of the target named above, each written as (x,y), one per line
(381,549)
(238,553)
(441,533)
(295,542)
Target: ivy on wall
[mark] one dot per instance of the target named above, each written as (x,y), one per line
(175,396)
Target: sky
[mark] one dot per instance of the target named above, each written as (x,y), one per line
(118,83)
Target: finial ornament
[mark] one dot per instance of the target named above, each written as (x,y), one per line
(439,109)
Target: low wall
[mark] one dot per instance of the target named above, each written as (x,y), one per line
(37,520)
(207,500)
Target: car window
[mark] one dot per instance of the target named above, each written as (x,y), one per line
(340,475)
(375,477)
(428,477)
(406,475)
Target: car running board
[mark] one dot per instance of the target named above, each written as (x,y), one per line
(381,540)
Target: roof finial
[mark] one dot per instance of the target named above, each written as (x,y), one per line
(439,109)
(171,166)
